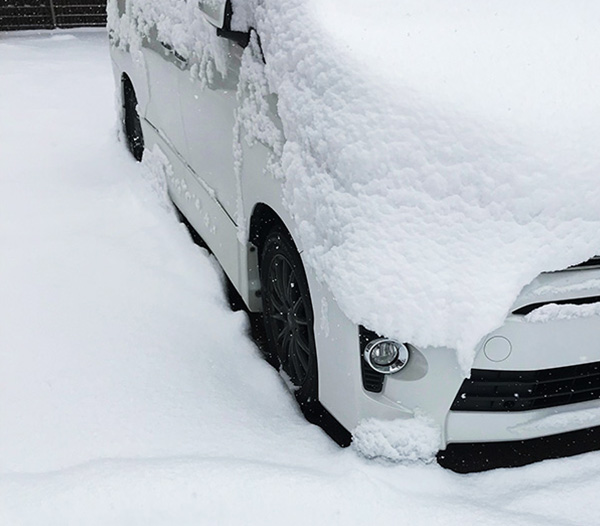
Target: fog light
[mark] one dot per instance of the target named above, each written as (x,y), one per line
(386,356)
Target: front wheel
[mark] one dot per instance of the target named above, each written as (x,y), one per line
(288,316)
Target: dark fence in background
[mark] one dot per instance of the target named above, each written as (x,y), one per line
(49,14)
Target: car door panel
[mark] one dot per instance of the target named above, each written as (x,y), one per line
(209,119)
(164,68)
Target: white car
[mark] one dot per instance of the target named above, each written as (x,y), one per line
(534,388)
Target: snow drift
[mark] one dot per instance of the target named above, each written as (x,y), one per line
(437,156)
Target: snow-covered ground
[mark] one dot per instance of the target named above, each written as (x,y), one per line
(129,392)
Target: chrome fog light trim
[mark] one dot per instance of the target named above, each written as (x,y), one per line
(386,356)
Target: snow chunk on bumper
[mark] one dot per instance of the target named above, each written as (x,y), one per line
(401,440)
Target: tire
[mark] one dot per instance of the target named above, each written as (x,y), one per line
(288,317)
(131,122)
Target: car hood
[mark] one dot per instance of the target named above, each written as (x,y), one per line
(437,157)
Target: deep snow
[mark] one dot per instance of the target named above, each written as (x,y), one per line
(129,392)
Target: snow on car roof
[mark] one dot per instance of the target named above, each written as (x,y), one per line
(437,156)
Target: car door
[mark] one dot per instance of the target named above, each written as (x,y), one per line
(208,113)
(164,67)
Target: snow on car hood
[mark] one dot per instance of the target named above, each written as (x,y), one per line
(524,68)
(437,156)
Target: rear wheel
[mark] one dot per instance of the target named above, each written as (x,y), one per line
(131,122)
(288,317)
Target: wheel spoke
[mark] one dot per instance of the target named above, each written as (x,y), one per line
(298,373)
(282,333)
(297,309)
(277,303)
(277,281)
(290,287)
(285,343)
(303,346)
(278,316)
(302,354)
(297,305)
(274,284)
(285,277)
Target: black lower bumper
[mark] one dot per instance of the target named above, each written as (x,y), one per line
(472,457)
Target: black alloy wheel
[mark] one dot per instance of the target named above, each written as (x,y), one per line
(131,122)
(288,316)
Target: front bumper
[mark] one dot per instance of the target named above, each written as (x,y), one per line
(569,346)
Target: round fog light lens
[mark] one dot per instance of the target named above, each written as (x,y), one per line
(385,353)
(386,356)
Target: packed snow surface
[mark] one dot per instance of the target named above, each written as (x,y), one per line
(438,155)
(129,392)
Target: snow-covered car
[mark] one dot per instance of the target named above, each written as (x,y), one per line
(387,184)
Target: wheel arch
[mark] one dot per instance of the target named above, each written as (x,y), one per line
(262,221)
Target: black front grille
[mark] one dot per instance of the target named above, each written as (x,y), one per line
(526,309)
(527,390)
(372,380)
(593,262)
